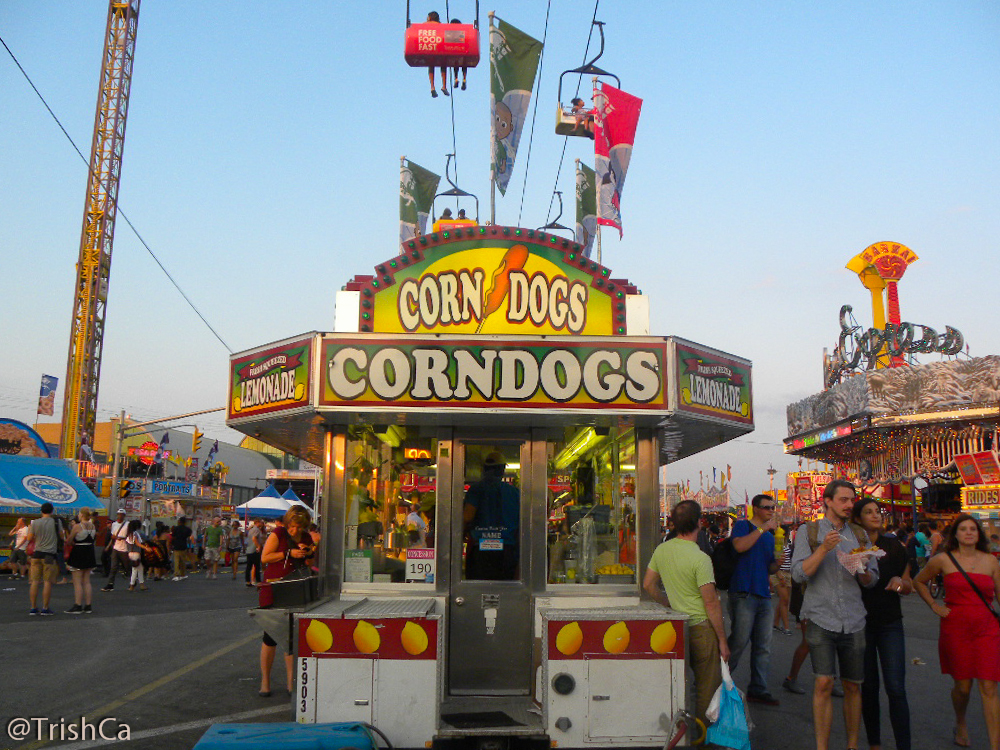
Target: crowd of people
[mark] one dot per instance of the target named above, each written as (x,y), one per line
(842,577)
(51,551)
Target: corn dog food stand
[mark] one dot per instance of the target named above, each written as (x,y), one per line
(490,394)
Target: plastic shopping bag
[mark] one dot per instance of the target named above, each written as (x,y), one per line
(727,712)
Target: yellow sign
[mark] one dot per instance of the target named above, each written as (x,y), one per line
(493,280)
(981,496)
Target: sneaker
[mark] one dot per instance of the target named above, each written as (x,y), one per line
(87,609)
(792,686)
(765,698)
(33,611)
(444,91)
(46,612)
(434,93)
(463,85)
(143,587)
(838,691)
(76,609)
(176,578)
(108,588)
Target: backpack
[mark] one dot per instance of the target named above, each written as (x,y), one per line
(724,560)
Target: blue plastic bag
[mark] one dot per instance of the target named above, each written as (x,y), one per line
(727,711)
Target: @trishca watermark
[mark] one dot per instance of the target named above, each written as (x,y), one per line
(43,728)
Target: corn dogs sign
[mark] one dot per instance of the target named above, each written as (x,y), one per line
(493,280)
(431,372)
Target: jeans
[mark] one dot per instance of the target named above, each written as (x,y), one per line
(886,644)
(751,618)
(826,647)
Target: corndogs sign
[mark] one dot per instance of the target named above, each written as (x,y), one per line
(436,373)
(493,280)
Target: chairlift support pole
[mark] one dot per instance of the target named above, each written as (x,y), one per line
(597,189)
(493,166)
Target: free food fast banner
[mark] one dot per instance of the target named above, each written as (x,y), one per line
(360,372)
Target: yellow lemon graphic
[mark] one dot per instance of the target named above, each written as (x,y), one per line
(413,638)
(745,408)
(663,638)
(300,391)
(236,404)
(366,637)
(569,639)
(318,636)
(686,395)
(616,638)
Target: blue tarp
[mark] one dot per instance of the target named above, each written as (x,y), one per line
(26,482)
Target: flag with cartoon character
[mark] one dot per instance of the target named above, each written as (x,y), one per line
(586,207)
(615,122)
(417,187)
(513,64)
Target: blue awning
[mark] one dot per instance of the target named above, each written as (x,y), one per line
(26,482)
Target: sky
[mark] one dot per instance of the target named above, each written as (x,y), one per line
(261,164)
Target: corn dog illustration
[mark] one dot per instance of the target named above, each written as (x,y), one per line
(513,260)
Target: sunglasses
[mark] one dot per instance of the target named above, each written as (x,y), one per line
(765,507)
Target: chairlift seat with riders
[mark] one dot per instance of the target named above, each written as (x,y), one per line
(441,45)
(580,123)
(447,221)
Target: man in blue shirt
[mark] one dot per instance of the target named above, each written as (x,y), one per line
(750,596)
(492,511)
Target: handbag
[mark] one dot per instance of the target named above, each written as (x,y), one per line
(297,588)
(730,722)
(134,553)
(975,588)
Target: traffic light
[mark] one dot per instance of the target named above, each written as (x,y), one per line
(123,488)
(196,441)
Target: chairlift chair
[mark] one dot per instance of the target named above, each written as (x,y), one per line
(441,45)
(554,225)
(574,123)
(448,222)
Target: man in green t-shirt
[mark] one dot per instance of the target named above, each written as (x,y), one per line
(689,587)
(213,546)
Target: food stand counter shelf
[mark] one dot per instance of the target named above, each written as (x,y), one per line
(608,674)
(371,660)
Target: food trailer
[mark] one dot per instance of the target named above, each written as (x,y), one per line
(480,357)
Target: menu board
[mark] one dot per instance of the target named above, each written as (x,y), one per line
(967,468)
(989,467)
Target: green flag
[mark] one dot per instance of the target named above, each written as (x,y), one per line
(586,207)
(513,64)
(417,187)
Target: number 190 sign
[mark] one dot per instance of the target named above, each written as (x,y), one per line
(420,565)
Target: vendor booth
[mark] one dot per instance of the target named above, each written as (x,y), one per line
(27,481)
(494,414)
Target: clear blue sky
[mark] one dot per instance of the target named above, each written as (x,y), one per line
(777,140)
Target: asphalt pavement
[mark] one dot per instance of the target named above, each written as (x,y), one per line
(170,662)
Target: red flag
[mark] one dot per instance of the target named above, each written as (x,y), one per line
(616,117)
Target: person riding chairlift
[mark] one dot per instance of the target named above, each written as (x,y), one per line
(433,17)
(584,118)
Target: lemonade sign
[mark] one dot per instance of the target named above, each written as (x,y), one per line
(712,384)
(270,380)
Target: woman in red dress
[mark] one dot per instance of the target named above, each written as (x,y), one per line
(289,546)
(969,645)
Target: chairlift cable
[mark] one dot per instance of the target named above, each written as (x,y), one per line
(119,209)
(562,156)
(534,111)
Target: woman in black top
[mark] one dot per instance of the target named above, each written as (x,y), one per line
(884,638)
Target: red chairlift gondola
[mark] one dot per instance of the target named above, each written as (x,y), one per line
(575,120)
(442,45)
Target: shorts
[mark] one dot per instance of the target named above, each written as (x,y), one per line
(43,569)
(827,647)
(19,557)
(212,554)
(780,579)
